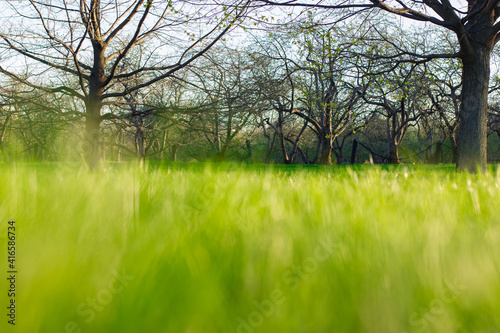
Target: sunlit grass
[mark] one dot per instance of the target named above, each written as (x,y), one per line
(251,249)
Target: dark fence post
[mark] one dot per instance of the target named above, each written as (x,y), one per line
(354,148)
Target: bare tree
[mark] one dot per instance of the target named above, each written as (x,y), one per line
(34,122)
(445,98)
(398,97)
(230,99)
(325,89)
(289,142)
(88,40)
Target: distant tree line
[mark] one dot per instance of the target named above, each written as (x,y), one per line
(101,84)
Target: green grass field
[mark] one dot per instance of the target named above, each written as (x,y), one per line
(227,248)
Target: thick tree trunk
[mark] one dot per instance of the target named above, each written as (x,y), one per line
(221,155)
(472,130)
(93,105)
(454,154)
(326,152)
(91,146)
(393,153)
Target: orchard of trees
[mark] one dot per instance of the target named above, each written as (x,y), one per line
(313,82)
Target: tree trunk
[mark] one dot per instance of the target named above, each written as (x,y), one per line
(472,131)
(91,146)
(93,105)
(454,154)
(326,151)
(249,151)
(303,156)
(453,146)
(174,152)
(270,147)
(438,153)
(393,153)
(316,153)
(2,137)
(286,159)
(221,155)
(139,143)
(118,149)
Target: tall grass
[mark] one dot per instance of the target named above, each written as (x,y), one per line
(210,249)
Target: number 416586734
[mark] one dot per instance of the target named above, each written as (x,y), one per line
(11,250)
